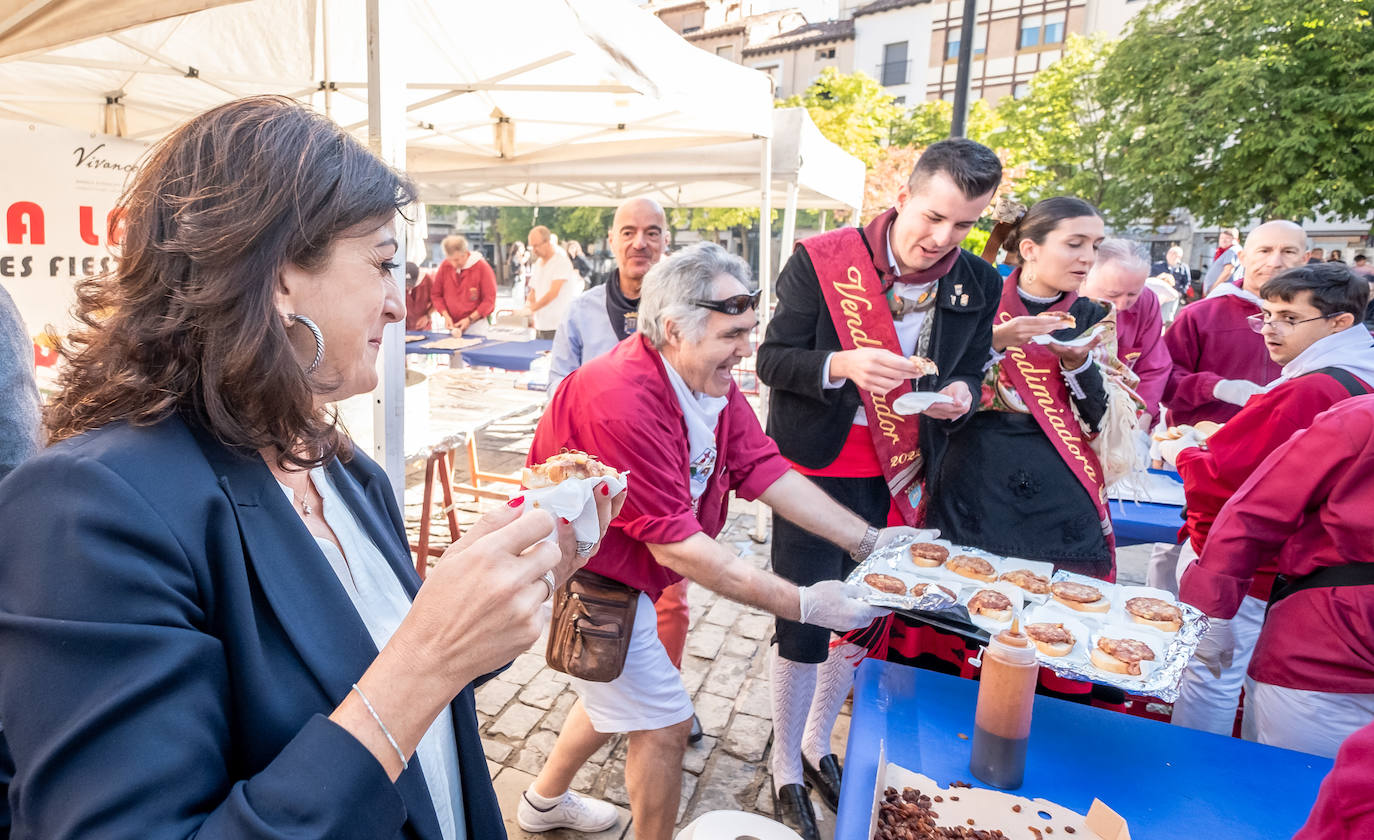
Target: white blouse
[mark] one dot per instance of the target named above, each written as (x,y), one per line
(382,602)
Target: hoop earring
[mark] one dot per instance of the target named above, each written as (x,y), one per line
(319,339)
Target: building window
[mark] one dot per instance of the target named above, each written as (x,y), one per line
(828,52)
(726,52)
(1039,30)
(893,70)
(689,29)
(1054,28)
(899,100)
(1020,90)
(955,34)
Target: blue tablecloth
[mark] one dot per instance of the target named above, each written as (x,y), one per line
(1165,780)
(1145,522)
(506,355)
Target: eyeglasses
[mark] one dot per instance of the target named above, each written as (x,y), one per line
(1259,322)
(736,305)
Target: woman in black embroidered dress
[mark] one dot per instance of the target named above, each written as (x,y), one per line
(1002,485)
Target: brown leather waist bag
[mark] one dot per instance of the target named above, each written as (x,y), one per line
(590,633)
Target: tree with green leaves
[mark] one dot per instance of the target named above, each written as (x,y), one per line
(929,122)
(852,111)
(1059,131)
(1246,109)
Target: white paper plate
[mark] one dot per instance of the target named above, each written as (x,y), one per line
(918,401)
(1081,341)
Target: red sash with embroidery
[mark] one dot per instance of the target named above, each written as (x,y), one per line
(854,296)
(1033,370)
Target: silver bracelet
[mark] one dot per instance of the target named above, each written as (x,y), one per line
(865,545)
(382,726)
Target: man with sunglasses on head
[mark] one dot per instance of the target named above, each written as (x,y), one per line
(663,406)
(1310,324)
(854,305)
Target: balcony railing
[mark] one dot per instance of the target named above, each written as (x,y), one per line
(894,72)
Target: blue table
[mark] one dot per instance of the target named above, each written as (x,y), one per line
(1144,522)
(1165,780)
(506,355)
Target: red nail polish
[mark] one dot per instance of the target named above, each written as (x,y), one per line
(605,491)
(565,521)
(516,502)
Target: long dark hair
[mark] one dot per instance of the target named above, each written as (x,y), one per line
(187,320)
(1043,217)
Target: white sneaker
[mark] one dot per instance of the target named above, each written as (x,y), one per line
(575,812)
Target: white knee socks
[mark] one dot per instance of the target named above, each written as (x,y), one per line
(836,676)
(793,684)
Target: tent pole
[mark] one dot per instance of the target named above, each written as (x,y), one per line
(761,512)
(386,136)
(789,221)
(324,46)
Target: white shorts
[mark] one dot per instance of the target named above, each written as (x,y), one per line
(648,694)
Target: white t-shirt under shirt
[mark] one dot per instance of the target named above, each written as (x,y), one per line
(542,276)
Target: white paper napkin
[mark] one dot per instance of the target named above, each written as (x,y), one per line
(574,501)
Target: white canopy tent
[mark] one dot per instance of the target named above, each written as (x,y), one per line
(826,177)
(527,80)
(473,84)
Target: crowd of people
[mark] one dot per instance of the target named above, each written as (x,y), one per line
(462,289)
(209,619)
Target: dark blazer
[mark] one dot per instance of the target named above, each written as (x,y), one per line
(809,422)
(173,641)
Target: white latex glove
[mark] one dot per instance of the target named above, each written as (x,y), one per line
(1236,391)
(1169,449)
(888,535)
(838,606)
(1217,647)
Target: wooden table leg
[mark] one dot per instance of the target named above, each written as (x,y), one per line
(437,471)
(422,548)
(446,477)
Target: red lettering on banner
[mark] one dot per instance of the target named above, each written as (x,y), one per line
(24,218)
(88,234)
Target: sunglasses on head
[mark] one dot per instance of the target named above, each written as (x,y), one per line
(732,305)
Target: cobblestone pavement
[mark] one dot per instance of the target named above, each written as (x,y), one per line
(725,670)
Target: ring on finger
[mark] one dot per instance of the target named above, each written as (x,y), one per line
(549,582)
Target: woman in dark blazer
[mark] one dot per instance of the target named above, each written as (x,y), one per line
(209,624)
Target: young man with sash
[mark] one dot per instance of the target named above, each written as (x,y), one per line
(853,305)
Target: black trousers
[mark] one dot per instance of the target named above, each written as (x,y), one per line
(805,558)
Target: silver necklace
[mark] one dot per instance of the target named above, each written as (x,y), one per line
(303,499)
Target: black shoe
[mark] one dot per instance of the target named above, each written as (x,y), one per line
(695,735)
(825,779)
(795,805)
